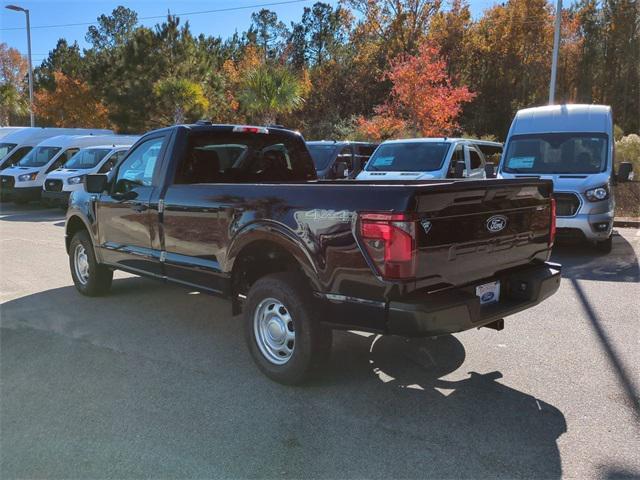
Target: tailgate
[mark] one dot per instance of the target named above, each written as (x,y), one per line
(473,230)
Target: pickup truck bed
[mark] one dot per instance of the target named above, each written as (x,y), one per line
(409,258)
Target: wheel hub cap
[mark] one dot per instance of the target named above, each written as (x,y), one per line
(81,264)
(274,331)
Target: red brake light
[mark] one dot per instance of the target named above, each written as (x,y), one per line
(552,230)
(389,239)
(248,129)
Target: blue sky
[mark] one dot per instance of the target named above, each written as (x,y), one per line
(56,12)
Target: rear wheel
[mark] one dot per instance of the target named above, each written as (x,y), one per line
(90,277)
(605,246)
(282,328)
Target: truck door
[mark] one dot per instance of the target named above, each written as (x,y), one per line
(124,218)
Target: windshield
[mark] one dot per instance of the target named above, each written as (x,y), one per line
(408,157)
(39,157)
(321,154)
(6,148)
(88,158)
(553,153)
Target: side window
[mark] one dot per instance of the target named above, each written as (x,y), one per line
(474,159)
(137,170)
(458,156)
(62,159)
(346,156)
(17,156)
(112,161)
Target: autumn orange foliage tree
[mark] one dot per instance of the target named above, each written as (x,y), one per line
(423,98)
(71,104)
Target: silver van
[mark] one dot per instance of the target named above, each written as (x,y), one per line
(573,146)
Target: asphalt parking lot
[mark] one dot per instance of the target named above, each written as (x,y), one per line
(155,381)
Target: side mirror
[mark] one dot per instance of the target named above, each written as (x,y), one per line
(339,169)
(96,183)
(490,170)
(459,169)
(624,171)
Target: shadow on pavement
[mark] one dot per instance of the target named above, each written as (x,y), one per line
(29,213)
(145,382)
(582,261)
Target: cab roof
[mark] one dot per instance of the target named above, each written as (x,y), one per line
(563,118)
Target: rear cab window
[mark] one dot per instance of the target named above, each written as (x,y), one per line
(242,157)
(408,157)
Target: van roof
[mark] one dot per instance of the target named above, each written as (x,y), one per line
(562,118)
(33,135)
(81,141)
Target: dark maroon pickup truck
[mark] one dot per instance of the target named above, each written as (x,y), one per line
(237,211)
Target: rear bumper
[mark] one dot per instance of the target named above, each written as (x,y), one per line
(459,309)
(61,197)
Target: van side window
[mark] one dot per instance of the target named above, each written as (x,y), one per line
(458,156)
(474,159)
(62,159)
(16,156)
(238,157)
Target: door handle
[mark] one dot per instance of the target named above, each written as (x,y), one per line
(139,207)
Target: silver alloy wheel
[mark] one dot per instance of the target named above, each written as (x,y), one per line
(81,264)
(274,331)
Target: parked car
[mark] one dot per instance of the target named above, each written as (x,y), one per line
(59,184)
(339,160)
(573,146)
(17,144)
(237,211)
(23,182)
(428,158)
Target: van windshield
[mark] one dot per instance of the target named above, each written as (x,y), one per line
(6,148)
(38,157)
(88,158)
(554,153)
(408,157)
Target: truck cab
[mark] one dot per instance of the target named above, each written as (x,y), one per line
(573,146)
(429,158)
(59,184)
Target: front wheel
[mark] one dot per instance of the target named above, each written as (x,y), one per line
(90,277)
(282,328)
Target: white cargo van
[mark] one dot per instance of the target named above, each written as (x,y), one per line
(573,146)
(59,184)
(23,182)
(17,144)
(429,158)
(4,131)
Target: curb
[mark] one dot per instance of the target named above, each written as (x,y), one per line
(626,222)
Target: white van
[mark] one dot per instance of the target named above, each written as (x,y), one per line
(17,144)
(23,182)
(573,146)
(59,184)
(429,158)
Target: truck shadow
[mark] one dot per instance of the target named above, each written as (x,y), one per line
(32,212)
(380,408)
(583,262)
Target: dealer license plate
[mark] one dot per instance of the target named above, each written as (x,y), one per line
(488,293)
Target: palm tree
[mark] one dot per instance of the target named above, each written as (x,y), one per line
(269,91)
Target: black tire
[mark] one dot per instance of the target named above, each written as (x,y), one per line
(312,342)
(605,246)
(98,277)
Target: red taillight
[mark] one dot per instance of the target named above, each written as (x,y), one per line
(249,129)
(390,242)
(552,230)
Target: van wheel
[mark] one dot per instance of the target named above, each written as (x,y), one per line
(89,277)
(605,246)
(282,328)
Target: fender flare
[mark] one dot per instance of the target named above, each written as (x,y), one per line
(274,232)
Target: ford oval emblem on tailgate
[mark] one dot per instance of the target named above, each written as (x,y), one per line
(496,223)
